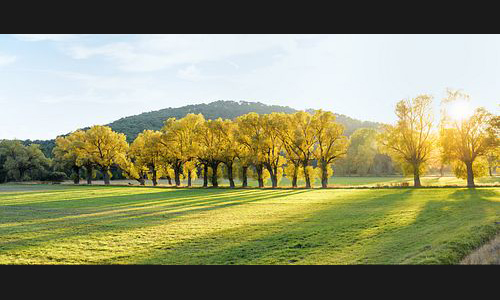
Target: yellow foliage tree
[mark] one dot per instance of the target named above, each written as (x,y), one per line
(104,148)
(410,141)
(466,135)
(330,143)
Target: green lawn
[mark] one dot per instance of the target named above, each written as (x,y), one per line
(336,181)
(44,224)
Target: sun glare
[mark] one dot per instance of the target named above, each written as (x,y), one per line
(460,110)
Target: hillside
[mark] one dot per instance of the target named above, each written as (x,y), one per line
(133,125)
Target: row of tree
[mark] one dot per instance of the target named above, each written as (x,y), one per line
(265,146)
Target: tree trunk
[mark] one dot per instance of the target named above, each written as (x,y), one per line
(105,174)
(90,170)
(306,175)
(189,178)
(155,182)
(169,180)
(259,168)
(244,175)
(324,175)
(470,175)
(76,169)
(230,175)
(416,177)
(177,174)
(489,170)
(141,181)
(214,174)
(205,175)
(273,174)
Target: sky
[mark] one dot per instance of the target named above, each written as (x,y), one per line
(52,84)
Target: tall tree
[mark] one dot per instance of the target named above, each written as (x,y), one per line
(181,141)
(465,134)
(250,134)
(411,141)
(66,155)
(298,137)
(104,148)
(272,147)
(331,144)
(148,151)
(212,145)
(231,149)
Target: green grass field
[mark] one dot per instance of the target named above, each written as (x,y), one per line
(47,224)
(335,181)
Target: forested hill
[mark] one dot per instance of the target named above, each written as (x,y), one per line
(133,125)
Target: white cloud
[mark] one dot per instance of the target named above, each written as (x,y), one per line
(7,59)
(156,52)
(45,37)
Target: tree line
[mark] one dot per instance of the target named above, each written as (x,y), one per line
(303,145)
(252,145)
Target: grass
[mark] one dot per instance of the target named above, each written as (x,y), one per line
(43,224)
(335,181)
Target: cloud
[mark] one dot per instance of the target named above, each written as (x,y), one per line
(45,37)
(155,52)
(7,59)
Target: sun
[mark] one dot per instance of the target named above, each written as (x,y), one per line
(460,110)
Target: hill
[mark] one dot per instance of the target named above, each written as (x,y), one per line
(133,125)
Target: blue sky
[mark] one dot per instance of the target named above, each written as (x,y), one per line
(54,84)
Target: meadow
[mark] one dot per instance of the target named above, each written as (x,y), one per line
(65,224)
(334,181)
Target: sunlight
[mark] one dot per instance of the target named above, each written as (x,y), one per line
(461,110)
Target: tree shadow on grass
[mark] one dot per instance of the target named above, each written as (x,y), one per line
(109,220)
(364,232)
(284,242)
(444,231)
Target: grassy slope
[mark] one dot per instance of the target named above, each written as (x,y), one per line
(100,225)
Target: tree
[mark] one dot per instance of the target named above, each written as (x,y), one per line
(180,139)
(250,134)
(330,143)
(148,151)
(466,135)
(272,147)
(104,148)
(212,140)
(22,162)
(298,137)
(493,159)
(410,141)
(66,154)
(230,147)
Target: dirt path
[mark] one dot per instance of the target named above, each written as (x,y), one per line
(488,254)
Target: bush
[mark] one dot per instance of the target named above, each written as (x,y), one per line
(55,176)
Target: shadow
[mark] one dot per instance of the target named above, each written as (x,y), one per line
(283,242)
(27,226)
(444,231)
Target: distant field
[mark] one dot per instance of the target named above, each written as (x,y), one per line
(62,224)
(335,181)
